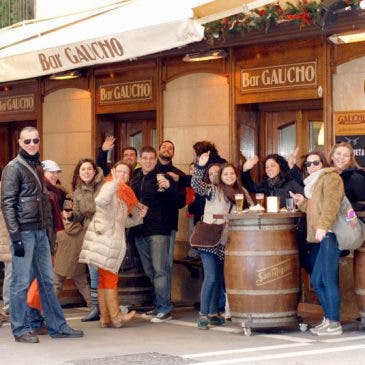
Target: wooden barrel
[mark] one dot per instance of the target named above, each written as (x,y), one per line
(262,270)
(359,279)
(135,288)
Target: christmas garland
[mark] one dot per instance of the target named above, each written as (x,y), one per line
(304,13)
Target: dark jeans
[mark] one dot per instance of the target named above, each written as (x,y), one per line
(212,287)
(324,277)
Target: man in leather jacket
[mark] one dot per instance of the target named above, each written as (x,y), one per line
(26,210)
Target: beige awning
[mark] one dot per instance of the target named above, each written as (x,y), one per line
(121,31)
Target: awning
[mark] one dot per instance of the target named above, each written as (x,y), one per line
(122,31)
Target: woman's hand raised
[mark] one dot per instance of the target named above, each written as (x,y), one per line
(203,158)
(250,163)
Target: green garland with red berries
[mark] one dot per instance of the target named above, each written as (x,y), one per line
(304,13)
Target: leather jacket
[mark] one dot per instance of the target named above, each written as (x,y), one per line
(25,205)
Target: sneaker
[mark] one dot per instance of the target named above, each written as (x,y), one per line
(330,329)
(151,313)
(202,322)
(161,317)
(216,320)
(323,323)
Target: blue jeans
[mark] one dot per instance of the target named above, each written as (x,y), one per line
(212,283)
(6,284)
(154,254)
(171,250)
(94,276)
(36,261)
(324,277)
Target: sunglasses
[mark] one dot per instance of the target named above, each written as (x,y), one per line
(34,140)
(314,163)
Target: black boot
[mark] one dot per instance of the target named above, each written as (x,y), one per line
(94,314)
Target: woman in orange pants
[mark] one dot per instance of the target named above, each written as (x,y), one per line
(104,246)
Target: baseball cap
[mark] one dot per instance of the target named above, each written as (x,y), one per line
(51,166)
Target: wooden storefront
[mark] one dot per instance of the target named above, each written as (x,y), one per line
(264,97)
(20,105)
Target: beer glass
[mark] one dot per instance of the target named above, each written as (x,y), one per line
(160,177)
(239,202)
(289,203)
(260,198)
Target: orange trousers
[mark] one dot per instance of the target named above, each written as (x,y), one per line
(107,279)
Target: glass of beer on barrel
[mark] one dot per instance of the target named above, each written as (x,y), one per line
(239,202)
(260,198)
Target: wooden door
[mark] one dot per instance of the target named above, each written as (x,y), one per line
(287,125)
(129,129)
(9,135)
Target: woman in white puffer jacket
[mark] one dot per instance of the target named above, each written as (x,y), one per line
(117,208)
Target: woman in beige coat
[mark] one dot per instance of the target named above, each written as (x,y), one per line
(104,246)
(323,192)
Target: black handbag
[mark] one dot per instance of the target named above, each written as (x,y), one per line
(206,235)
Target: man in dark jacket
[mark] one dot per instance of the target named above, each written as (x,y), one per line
(165,166)
(153,236)
(26,210)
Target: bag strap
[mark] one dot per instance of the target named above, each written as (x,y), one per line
(34,173)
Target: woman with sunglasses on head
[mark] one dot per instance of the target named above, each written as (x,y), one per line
(277,180)
(323,195)
(220,199)
(104,246)
(353,176)
(66,235)
(86,183)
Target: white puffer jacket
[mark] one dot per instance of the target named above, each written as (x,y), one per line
(104,244)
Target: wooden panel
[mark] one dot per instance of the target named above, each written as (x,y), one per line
(282,53)
(22,88)
(346,52)
(127,73)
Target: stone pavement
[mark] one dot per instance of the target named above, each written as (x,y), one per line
(179,342)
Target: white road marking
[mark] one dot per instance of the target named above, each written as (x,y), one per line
(284,355)
(344,339)
(288,338)
(246,350)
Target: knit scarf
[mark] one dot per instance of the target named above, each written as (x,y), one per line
(274,182)
(126,194)
(310,181)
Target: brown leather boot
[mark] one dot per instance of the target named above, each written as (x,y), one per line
(117,317)
(105,320)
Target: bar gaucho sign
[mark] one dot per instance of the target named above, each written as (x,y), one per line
(350,127)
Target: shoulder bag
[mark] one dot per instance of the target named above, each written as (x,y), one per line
(348,228)
(206,235)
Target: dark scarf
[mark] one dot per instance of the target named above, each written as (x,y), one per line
(32,160)
(275,181)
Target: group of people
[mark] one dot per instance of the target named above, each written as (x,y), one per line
(88,226)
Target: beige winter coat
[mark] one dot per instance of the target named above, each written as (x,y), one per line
(5,254)
(105,244)
(323,207)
